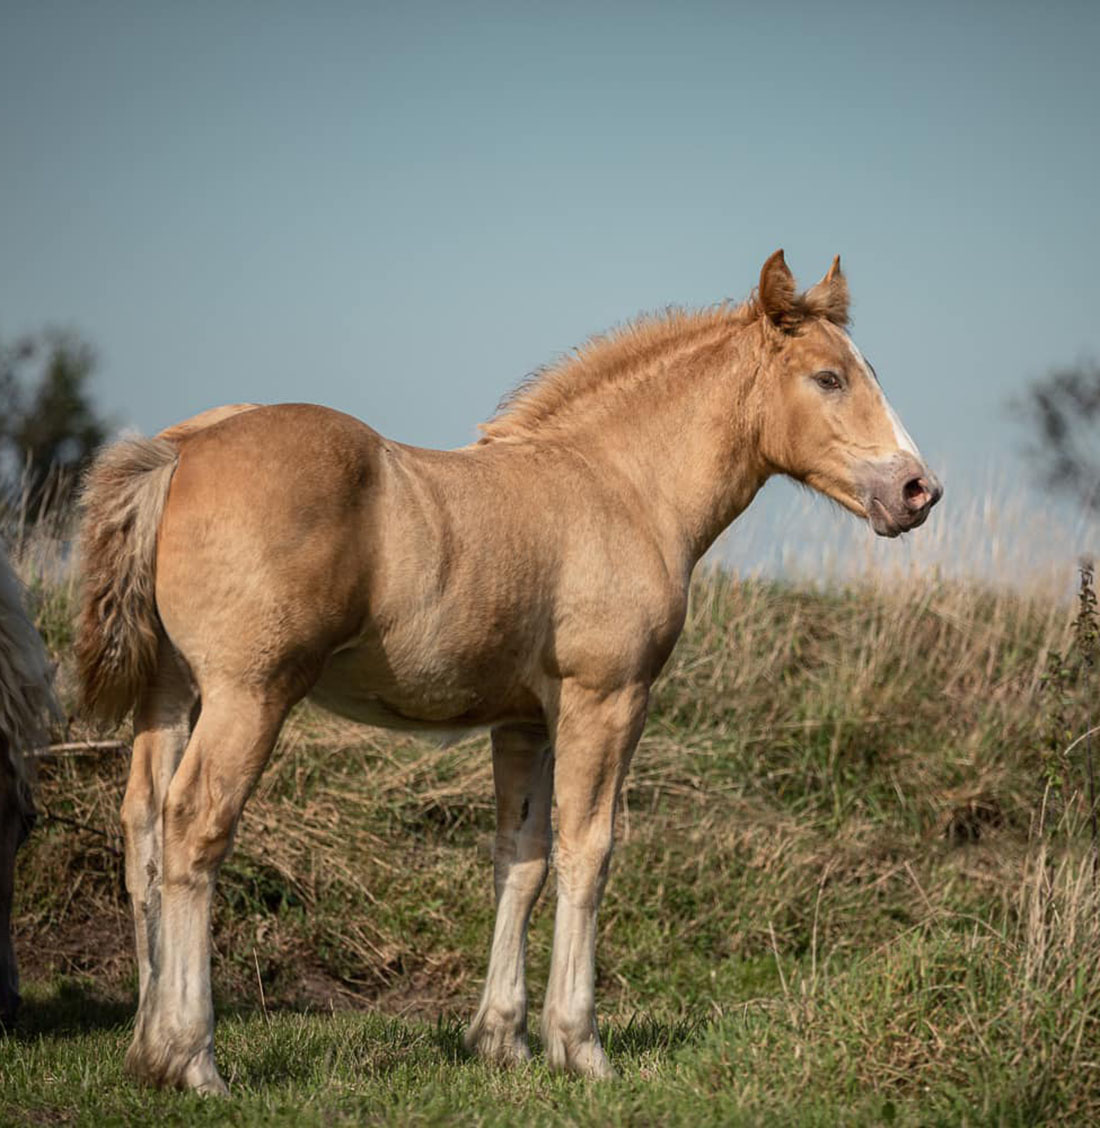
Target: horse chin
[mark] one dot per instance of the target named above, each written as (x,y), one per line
(884,524)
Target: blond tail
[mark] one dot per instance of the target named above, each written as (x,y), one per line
(118,628)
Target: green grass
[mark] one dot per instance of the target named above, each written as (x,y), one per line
(888,1040)
(829,901)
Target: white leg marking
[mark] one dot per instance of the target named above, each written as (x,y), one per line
(524,771)
(595,738)
(174,1042)
(569,1015)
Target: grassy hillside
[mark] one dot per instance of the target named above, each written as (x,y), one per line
(853,883)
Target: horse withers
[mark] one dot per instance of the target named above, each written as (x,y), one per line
(534,582)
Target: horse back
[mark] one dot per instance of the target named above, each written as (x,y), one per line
(402,586)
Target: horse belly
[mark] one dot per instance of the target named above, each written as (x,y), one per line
(364,684)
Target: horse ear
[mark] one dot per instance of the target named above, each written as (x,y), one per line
(777,292)
(829,298)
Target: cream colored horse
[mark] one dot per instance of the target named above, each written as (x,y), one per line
(26,703)
(534,582)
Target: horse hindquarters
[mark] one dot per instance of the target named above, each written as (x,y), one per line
(250,599)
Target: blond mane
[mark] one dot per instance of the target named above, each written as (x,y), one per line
(609,363)
(614,362)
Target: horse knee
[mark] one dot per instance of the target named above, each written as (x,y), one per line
(529,876)
(583,868)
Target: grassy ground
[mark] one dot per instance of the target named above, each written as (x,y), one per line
(832,899)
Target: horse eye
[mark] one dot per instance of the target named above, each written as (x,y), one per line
(830,381)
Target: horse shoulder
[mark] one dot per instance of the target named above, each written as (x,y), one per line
(623,620)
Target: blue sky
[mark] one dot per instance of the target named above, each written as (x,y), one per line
(399,210)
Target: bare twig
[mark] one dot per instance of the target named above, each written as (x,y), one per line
(260,984)
(77,748)
(50,816)
(778,961)
(1084,736)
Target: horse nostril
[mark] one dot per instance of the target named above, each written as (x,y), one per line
(917,494)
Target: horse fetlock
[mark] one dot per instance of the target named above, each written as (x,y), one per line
(143,1024)
(135,1058)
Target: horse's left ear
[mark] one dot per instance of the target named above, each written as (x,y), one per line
(829,298)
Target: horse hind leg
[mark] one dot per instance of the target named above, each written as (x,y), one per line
(163,720)
(228,749)
(523,770)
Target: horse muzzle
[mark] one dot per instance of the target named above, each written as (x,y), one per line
(899,495)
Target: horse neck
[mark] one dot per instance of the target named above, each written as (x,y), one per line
(685,436)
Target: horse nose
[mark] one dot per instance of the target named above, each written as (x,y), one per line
(921,493)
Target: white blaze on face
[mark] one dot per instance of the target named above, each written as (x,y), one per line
(901,435)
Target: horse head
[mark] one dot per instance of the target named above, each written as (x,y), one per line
(826,420)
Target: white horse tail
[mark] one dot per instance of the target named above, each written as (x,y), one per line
(27,701)
(118,627)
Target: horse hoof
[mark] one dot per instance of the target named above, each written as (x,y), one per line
(212,1087)
(498,1047)
(197,1073)
(200,1075)
(590,1061)
(585,1058)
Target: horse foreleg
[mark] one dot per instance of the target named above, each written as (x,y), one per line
(225,755)
(594,738)
(523,778)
